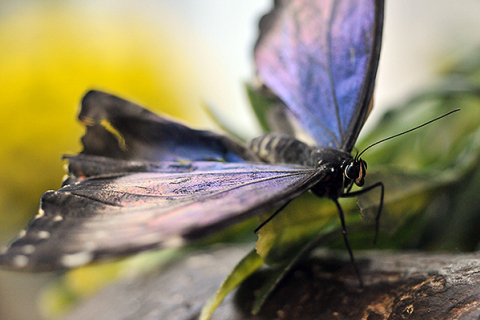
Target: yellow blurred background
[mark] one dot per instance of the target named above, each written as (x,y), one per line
(51,52)
(168,55)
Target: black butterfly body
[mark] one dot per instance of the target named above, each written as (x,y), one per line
(275,148)
(145,182)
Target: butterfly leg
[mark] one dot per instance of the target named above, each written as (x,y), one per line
(347,244)
(271,217)
(380,207)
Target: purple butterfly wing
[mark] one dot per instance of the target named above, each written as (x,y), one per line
(120,129)
(321,58)
(124,193)
(167,205)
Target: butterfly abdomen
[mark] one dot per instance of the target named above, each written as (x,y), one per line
(278,148)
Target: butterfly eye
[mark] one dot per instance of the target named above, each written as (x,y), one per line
(362,167)
(352,172)
(360,182)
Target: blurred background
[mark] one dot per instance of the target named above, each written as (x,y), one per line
(174,57)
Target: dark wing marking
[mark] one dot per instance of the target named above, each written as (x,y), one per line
(82,166)
(120,129)
(320,58)
(109,216)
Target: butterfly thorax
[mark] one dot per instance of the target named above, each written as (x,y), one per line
(339,169)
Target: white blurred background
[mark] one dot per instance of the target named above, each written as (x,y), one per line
(420,37)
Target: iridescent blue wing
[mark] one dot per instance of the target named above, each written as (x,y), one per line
(163,205)
(321,58)
(120,129)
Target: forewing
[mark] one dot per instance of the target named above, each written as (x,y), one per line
(115,214)
(82,166)
(120,129)
(321,58)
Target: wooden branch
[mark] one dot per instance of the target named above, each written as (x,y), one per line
(397,286)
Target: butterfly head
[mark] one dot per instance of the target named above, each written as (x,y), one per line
(355,172)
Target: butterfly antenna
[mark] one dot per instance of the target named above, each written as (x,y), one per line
(404,132)
(356,155)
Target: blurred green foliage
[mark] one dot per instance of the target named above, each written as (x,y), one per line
(427,174)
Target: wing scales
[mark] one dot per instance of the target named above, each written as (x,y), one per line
(321,58)
(107,217)
(120,129)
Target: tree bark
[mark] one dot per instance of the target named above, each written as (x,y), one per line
(397,286)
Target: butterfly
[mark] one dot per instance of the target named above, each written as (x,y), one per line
(144,182)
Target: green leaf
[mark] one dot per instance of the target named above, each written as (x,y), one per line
(261,104)
(276,274)
(302,220)
(431,175)
(273,115)
(242,270)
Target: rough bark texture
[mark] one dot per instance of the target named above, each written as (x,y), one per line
(397,286)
